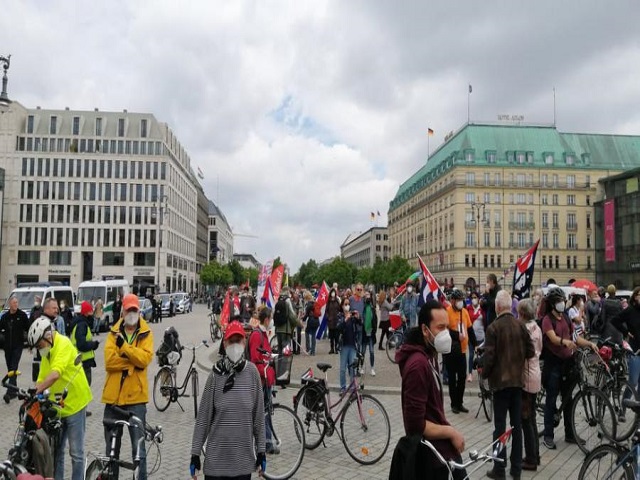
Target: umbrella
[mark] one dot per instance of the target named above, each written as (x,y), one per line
(584,283)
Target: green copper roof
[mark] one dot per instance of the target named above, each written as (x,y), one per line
(504,145)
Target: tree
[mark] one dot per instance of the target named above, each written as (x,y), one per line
(215,274)
(252,275)
(307,274)
(339,271)
(396,270)
(237,271)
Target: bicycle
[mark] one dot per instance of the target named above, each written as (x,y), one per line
(496,449)
(165,389)
(614,461)
(215,330)
(394,341)
(365,429)
(104,467)
(485,394)
(592,414)
(287,434)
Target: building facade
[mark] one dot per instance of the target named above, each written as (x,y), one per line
(94,195)
(220,236)
(491,191)
(617,217)
(362,249)
(246,260)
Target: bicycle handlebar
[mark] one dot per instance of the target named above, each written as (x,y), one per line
(152,433)
(193,346)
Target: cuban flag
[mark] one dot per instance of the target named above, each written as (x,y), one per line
(523,273)
(430,288)
(273,287)
(265,273)
(321,300)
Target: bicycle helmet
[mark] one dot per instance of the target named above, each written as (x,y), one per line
(555,294)
(37,330)
(606,353)
(456,294)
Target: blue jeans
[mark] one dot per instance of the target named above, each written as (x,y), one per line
(508,400)
(347,357)
(73,428)
(634,370)
(135,433)
(371,344)
(310,340)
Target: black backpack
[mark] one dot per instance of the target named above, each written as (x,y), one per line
(280,313)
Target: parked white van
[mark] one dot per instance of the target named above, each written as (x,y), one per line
(107,291)
(26,294)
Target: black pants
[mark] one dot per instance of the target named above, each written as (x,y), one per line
(334,338)
(384,333)
(12,358)
(530,429)
(508,400)
(457,369)
(284,339)
(87,372)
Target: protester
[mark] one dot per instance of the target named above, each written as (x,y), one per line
(385,308)
(489,300)
(628,323)
(98,312)
(67,316)
(462,334)
(531,379)
(230,419)
(117,309)
(36,310)
(298,305)
(575,314)
(332,311)
(128,352)
(369,327)
(507,345)
(357,305)
(14,323)
(285,320)
(476,315)
(422,397)
(58,371)
(247,304)
(311,323)
(558,372)
(81,338)
(409,307)
(348,325)
(52,312)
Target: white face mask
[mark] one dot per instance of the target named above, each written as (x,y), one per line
(442,342)
(333,295)
(459,304)
(44,351)
(131,318)
(474,301)
(347,308)
(559,307)
(235,352)
(409,289)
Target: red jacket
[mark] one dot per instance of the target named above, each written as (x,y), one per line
(260,339)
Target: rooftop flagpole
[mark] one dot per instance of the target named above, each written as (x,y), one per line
(469,104)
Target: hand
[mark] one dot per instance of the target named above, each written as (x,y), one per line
(119,340)
(457,440)
(594,347)
(570,345)
(39,388)
(96,343)
(195,465)
(260,458)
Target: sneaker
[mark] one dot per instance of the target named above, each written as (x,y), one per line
(88,413)
(455,410)
(549,443)
(463,409)
(373,372)
(272,449)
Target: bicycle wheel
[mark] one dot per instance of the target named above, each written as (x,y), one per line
(592,419)
(627,420)
(541,399)
(163,385)
(195,388)
(602,464)
(97,470)
(394,342)
(365,429)
(273,343)
(310,409)
(287,434)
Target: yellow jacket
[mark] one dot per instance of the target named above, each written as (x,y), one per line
(126,366)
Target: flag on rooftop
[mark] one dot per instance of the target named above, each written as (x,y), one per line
(430,131)
(200,174)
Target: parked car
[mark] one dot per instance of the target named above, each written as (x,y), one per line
(146,309)
(164,298)
(182,302)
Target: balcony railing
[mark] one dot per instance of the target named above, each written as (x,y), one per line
(522,226)
(572,226)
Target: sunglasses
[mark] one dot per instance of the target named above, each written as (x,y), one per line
(228,384)
(358,289)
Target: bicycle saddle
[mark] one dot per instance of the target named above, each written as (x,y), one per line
(323,366)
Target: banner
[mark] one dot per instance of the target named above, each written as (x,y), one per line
(609,231)
(523,273)
(226,312)
(322,299)
(273,287)
(430,288)
(265,272)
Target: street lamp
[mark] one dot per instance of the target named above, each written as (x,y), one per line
(477,206)
(160,207)
(4,98)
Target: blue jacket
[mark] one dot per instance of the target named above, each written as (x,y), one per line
(409,308)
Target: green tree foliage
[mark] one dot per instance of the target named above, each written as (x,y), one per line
(396,270)
(237,271)
(339,271)
(215,274)
(252,275)
(276,262)
(307,275)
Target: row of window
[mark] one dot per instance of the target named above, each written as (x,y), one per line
(63,258)
(522,198)
(89,145)
(524,180)
(526,158)
(87,214)
(107,169)
(54,126)
(89,191)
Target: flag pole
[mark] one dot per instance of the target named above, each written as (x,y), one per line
(428,146)
(469,105)
(554,107)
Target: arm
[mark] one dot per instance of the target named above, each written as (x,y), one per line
(255,342)
(81,338)
(205,416)
(139,355)
(113,360)
(258,417)
(489,352)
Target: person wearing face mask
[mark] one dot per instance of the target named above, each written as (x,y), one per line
(462,335)
(348,325)
(128,351)
(58,371)
(230,419)
(576,315)
(423,401)
(332,311)
(507,346)
(369,327)
(409,307)
(558,372)
(82,339)
(628,324)
(36,310)
(476,315)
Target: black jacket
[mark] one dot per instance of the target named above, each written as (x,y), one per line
(81,324)
(14,326)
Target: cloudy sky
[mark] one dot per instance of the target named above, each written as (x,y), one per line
(309,114)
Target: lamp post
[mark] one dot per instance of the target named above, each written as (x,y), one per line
(160,206)
(477,206)
(4,98)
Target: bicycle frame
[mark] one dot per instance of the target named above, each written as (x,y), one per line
(192,371)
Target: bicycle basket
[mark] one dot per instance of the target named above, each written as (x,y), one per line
(313,398)
(282,365)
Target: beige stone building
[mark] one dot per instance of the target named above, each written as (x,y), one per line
(491,191)
(362,248)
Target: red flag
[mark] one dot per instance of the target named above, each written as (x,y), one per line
(430,132)
(523,273)
(276,282)
(225,313)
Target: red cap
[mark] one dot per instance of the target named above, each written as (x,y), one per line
(234,328)
(86,308)
(130,301)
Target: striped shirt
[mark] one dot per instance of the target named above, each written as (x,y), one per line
(238,424)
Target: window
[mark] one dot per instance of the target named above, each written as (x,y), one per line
(143,128)
(571,221)
(497,219)
(571,181)
(497,239)
(530,157)
(144,259)
(569,158)
(556,241)
(486,198)
(543,180)
(487,179)
(548,158)
(113,258)
(510,157)
(76,125)
(588,262)
(121,128)
(545,240)
(554,199)
(544,199)
(588,200)
(98,127)
(557,261)
(545,220)
(469,156)
(466,260)
(568,262)
(571,241)
(487,239)
(571,199)
(491,156)
(469,197)
(520,158)
(498,179)
(470,178)
(544,261)
(30,121)
(497,198)
(59,258)
(520,180)
(470,240)
(27,257)
(53,125)
(588,240)
(555,220)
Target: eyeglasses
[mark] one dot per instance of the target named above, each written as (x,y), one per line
(358,289)
(228,384)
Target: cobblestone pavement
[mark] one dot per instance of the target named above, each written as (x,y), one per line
(328,462)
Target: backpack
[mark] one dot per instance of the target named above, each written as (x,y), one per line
(247,352)
(280,313)
(170,344)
